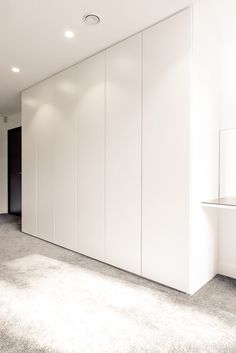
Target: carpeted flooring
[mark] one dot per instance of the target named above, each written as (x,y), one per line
(54,300)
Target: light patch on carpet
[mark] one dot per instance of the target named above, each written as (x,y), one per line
(53,300)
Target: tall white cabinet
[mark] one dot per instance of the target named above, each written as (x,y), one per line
(107,155)
(166,151)
(91,156)
(49,153)
(123,154)
(45,124)
(64,157)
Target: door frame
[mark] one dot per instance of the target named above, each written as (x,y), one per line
(8,169)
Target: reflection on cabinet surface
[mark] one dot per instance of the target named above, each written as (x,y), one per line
(166,151)
(45,123)
(64,156)
(91,156)
(106,150)
(123,154)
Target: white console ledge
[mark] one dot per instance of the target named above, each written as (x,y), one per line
(223,202)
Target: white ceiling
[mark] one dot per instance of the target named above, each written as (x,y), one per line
(31,36)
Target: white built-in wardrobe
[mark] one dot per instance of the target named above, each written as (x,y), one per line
(106,155)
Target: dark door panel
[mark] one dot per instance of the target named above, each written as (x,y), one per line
(14,171)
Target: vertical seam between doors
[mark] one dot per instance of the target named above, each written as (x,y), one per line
(189,286)
(105,150)
(55,95)
(218,211)
(76,161)
(36,187)
(77,158)
(141,162)
(219,165)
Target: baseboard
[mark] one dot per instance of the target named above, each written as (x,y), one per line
(3,211)
(227,270)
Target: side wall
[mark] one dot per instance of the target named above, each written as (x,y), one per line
(205,142)
(12,122)
(227,220)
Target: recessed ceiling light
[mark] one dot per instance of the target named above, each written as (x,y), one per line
(91,19)
(69,34)
(15,69)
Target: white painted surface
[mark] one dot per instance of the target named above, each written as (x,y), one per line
(49,155)
(64,159)
(13,121)
(166,151)
(228,163)
(227,243)
(27,34)
(123,154)
(179,156)
(45,129)
(227,220)
(204,143)
(219,206)
(91,156)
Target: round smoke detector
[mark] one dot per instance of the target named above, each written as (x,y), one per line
(91,19)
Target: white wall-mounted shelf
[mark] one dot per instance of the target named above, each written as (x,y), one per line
(223,202)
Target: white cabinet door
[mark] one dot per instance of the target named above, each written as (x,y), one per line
(166,151)
(45,124)
(123,154)
(29,108)
(91,155)
(64,147)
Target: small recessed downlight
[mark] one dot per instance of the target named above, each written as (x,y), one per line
(15,69)
(91,19)
(69,34)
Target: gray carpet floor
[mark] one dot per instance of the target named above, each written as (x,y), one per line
(55,301)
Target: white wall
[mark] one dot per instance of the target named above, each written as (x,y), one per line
(204,142)
(215,53)
(227,218)
(13,121)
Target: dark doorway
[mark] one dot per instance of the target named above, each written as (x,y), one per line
(14,171)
